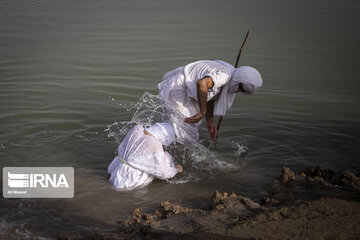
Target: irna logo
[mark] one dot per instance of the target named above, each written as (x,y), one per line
(37,180)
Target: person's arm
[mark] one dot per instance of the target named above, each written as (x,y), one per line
(210,110)
(210,120)
(202,90)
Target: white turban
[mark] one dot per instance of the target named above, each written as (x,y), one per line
(248,76)
(251,80)
(163,132)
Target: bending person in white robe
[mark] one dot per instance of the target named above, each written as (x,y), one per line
(203,88)
(141,157)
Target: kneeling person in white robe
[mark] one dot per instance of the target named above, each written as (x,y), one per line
(141,157)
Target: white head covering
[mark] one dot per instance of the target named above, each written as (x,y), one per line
(248,76)
(251,80)
(163,132)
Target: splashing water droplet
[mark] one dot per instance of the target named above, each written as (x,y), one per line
(198,161)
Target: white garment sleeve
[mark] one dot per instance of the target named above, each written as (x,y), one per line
(171,170)
(219,74)
(219,78)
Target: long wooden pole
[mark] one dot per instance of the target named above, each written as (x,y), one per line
(238,56)
(236,65)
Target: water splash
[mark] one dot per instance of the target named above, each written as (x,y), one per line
(198,161)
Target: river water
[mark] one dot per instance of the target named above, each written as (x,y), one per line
(75,76)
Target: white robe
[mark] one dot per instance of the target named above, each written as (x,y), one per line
(178,90)
(146,160)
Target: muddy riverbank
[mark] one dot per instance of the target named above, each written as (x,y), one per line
(315,204)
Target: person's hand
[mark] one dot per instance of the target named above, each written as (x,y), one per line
(194,119)
(179,168)
(212,129)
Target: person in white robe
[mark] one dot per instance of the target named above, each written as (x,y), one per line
(141,157)
(203,88)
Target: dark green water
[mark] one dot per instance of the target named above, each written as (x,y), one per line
(71,72)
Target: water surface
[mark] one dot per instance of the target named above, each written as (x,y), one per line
(72,74)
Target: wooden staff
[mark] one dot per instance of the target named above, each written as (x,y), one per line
(236,65)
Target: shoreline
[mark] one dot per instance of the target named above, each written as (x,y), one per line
(317,204)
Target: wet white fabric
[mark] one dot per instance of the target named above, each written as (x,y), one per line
(147,157)
(163,132)
(219,71)
(178,106)
(179,91)
(251,80)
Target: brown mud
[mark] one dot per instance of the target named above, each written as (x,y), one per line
(317,204)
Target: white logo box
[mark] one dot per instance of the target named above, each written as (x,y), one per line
(38,182)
